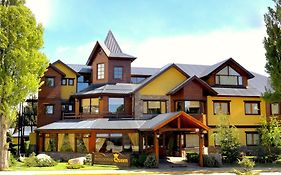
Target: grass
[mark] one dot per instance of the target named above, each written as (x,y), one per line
(60,166)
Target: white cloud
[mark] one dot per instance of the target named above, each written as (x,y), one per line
(246,47)
(41,9)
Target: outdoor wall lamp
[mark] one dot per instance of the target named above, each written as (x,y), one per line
(158,136)
(197,130)
(202,135)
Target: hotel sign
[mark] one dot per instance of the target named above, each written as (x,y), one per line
(111,159)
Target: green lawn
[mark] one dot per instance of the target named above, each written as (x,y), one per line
(60,166)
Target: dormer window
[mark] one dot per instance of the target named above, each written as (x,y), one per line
(228,76)
(118,73)
(100,71)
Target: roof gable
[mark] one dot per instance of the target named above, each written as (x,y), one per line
(111,48)
(218,66)
(56,69)
(65,65)
(203,84)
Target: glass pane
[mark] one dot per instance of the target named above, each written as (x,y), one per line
(217,79)
(49,109)
(115,105)
(256,139)
(145,107)
(94,105)
(275,108)
(255,108)
(118,72)
(216,108)
(179,106)
(224,108)
(228,80)
(233,72)
(86,106)
(248,108)
(240,80)
(249,139)
(163,107)
(224,71)
(154,107)
(192,107)
(50,81)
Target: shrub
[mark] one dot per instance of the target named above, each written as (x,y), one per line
(88,160)
(142,159)
(41,160)
(134,160)
(247,165)
(150,161)
(74,166)
(212,160)
(192,157)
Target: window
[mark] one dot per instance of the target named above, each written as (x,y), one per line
(216,139)
(118,73)
(81,143)
(252,108)
(82,83)
(100,71)
(252,138)
(67,108)
(275,109)
(63,81)
(221,107)
(51,142)
(228,76)
(116,105)
(70,81)
(50,81)
(190,107)
(137,80)
(49,109)
(90,106)
(154,107)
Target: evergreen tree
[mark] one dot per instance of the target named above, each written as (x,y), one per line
(272,44)
(22,64)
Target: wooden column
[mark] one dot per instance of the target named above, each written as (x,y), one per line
(201,143)
(140,142)
(180,145)
(156,147)
(92,142)
(41,142)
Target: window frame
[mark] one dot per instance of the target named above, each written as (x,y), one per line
(221,101)
(183,101)
(100,74)
(147,105)
(122,70)
(66,105)
(252,133)
(50,77)
(64,84)
(218,77)
(45,109)
(251,103)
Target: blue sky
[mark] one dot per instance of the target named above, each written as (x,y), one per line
(157,32)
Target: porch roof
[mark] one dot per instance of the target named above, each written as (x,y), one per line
(153,124)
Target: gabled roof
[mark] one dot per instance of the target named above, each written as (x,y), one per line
(189,80)
(80,68)
(111,48)
(160,72)
(221,64)
(59,61)
(56,69)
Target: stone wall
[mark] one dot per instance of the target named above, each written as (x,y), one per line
(64,156)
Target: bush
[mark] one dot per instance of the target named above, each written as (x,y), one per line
(192,157)
(142,159)
(134,160)
(41,160)
(247,164)
(150,161)
(74,166)
(212,160)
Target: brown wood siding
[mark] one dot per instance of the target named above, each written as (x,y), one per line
(49,95)
(192,91)
(125,64)
(99,58)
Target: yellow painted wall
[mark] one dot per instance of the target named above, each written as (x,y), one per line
(237,112)
(32,138)
(67,91)
(241,132)
(163,83)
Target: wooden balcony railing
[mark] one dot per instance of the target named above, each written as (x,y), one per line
(100,115)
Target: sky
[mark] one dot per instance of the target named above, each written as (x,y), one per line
(157,32)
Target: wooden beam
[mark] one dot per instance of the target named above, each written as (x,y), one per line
(177,129)
(179,122)
(156,147)
(201,143)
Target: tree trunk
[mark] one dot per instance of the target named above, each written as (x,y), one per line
(3,144)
